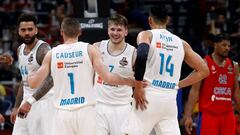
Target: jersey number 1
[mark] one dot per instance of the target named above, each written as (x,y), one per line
(169,67)
(70,75)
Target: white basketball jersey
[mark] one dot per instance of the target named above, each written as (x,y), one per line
(27,64)
(72,72)
(121,64)
(164,61)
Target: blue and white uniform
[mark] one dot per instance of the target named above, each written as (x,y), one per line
(113,101)
(74,99)
(37,121)
(163,69)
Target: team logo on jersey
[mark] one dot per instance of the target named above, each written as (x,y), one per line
(123,62)
(158,45)
(213,69)
(213,97)
(30,59)
(222,79)
(60,65)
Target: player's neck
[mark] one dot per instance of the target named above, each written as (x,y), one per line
(29,47)
(70,40)
(159,26)
(220,61)
(116,49)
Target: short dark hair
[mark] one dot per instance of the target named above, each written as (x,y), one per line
(159,13)
(27,18)
(70,27)
(220,37)
(118,20)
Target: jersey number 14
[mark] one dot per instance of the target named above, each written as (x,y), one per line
(165,65)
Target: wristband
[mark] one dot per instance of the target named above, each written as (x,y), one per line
(31,100)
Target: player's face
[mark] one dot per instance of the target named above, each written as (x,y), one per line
(117,33)
(27,32)
(223,48)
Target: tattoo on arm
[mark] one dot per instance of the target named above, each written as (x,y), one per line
(19,96)
(44,88)
(41,52)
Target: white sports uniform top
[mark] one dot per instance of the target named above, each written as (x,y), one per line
(72,72)
(28,63)
(120,64)
(164,62)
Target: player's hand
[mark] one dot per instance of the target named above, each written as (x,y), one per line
(1,118)
(139,96)
(145,83)
(141,101)
(6,59)
(131,81)
(188,124)
(24,109)
(13,115)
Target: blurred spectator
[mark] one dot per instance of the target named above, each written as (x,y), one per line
(206,46)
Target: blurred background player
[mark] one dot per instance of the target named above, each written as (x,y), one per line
(215,93)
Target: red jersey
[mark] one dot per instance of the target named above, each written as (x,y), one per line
(217,89)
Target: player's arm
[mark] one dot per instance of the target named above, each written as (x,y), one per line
(41,54)
(36,79)
(192,100)
(48,82)
(19,98)
(19,95)
(103,71)
(197,63)
(143,40)
(43,49)
(134,57)
(236,95)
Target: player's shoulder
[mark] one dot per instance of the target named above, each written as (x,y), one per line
(97,44)
(44,46)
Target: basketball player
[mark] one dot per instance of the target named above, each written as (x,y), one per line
(72,66)
(30,56)
(215,93)
(159,58)
(113,101)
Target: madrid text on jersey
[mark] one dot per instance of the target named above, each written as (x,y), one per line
(163,84)
(72,101)
(64,55)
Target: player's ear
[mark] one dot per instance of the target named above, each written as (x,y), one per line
(126,33)
(36,31)
(61,32)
